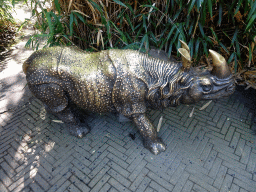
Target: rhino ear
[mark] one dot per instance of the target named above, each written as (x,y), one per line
(184,45)
(186,59)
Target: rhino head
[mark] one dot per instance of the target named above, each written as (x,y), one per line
(206,85)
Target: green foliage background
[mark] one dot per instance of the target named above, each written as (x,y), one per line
(225,26)
(6,8)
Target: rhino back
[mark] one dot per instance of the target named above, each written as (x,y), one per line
(88,78)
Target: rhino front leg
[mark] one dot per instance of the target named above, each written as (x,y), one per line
(56,102)
(150,139)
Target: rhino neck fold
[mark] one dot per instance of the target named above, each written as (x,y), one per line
(166,81)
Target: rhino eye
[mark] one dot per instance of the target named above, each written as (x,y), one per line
(206,84)
(206,88)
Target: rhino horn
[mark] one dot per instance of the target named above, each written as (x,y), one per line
(186,59)
(220,67)
(184,45)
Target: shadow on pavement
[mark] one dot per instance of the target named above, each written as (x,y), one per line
(38,154)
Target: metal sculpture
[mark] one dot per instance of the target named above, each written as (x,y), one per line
(125,81)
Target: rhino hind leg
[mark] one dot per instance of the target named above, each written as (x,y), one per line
(150,139)
(75,126)
(56,102)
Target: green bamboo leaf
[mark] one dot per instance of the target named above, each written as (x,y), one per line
(201,30)
(37,46)
(238,6)
(191,6)
(234,37)
(214,34)
(71,20)
(153,37)
(220,14)
(238,51)
(133,46)
(232,6)
(139,32)
(79,16)
(187,23)
(121,14)
(144,40)
(252,11)
(191,47)
(75,21)
(57,5)
(170,50)
(50,40)
(175,37)
(250,23)
(131,9)
(49,21)
(197,46)
(209,2)
(178,44)
(181,30)
(171,32)
(226,34)
(223,46)
(235,67)
(203,13)
(123,37)
(231,10)
(136,27)
(163,32)
(176,15)
(199,3)
(231,57)
(168,37)
(180,2)
(129,21)
(56,19)
(250,53)
(108,30)
(172,3)
(28,42)
(144,23)
(151,7)
(129,38)
(205,48)
(120,3)
(97,7)
(246,6)
(167,6)
(191,29)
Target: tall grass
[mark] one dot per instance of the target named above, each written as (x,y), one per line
(226,26)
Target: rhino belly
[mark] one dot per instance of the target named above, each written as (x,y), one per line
(92,93)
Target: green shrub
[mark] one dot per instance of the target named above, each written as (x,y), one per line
(226,26)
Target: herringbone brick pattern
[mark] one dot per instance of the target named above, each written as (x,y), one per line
(214,150)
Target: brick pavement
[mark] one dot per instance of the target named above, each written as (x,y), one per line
(215,150)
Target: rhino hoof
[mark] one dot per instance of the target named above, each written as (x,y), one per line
(155,146)
(78,131)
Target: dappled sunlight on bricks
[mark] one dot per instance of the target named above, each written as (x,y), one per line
(216,154)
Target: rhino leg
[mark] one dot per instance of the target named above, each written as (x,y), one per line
(150,139)
(56,102)
(75,127)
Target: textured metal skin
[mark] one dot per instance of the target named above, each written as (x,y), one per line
(125,81)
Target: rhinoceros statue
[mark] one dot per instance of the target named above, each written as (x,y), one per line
(123,81)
